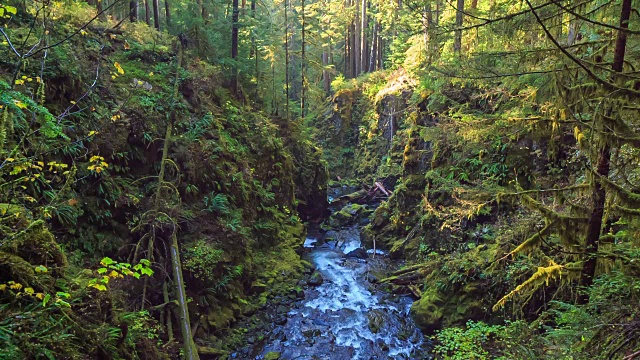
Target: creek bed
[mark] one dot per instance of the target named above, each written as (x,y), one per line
(347,316)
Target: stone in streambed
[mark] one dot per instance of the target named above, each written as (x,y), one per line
(316,279)
(358,253)
(272,355)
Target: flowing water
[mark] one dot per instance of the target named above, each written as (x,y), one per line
(347,316)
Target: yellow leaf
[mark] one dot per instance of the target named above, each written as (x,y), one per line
(16,286)
(19,103)
(113,274)
(151,73)
(126,45)
(3,287)
(29,291)
(92,132)
(40,296)
(72,102)
(19,82)
(119,68)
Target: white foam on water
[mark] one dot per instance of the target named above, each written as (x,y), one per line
(310,242)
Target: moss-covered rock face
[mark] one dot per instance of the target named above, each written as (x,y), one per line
(348,215)
(437,309)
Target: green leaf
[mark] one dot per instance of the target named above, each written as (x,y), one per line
(102,270)
(41,269)
(10,9)
(107,261)
(62,303)
(146,271)
(62,294)
(46,299)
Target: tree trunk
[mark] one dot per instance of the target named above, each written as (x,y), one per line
(474,4)
(363,37)
(457,43)
(599,194)
(147,13)
(189,347)
(133,10)
(326,80)
(234,46)
(167,12)
(374,44)
(156,14)
(303,59)
(356,45)
(286,59)
(254,51)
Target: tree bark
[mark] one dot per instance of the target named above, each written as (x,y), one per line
(326,80)
(374,44)
(254,51)
(457,43)
(286,58)
(147,13)
(356,45)
(133,10)
(234,46)
(599,194)
(156,14)
(474,4)
(363,37)
(167,12)
(302,68)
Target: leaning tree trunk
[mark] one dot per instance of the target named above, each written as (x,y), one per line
(598,195)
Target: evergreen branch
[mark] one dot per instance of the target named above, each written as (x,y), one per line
(607,85)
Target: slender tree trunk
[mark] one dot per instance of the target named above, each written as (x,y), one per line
(254,51)
(234,46)
(167,12)
(133,10)
(363,36)
(156,14)
(286,59)
(457,43)
(356,45)
(346,53)
(474,4)
(599,193)
(380,50)
(303,59)
(326,80)
(147,13)
(374,44)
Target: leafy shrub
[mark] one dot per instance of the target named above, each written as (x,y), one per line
(465,344)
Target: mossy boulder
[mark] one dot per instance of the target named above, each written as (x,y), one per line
(437,309)
(272,355)
(348,215)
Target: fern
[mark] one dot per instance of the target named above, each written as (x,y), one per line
(218,203)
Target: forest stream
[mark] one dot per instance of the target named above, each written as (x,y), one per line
(344,314)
